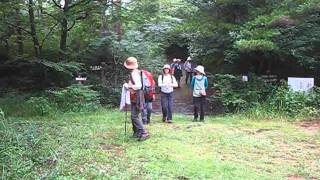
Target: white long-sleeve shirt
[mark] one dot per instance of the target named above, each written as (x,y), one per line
(136,77)
(168,83)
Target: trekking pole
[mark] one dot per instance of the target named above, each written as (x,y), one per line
(125,121)
(126,116)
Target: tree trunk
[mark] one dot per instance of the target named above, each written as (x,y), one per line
(35,39)
(19,32)
(7,46)
(64,31)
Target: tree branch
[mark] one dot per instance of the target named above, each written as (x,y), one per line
(55,18)
(73,23)
(55,2)
(47,35)
(84,2)
(19,27)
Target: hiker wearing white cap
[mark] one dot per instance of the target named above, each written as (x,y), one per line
(137,98)
(188,67)
(199,84)
(167,82)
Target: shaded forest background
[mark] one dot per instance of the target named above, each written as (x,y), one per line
(45,44)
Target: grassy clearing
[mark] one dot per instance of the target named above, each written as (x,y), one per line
(93,145)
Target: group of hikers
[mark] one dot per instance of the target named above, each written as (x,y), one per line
(139,92)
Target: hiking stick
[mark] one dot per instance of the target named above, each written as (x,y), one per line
(126,116)
(125,121)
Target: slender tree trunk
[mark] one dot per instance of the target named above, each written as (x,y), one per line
(19,32)
(64,31)
(35,39)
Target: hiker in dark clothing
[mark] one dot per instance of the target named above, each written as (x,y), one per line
(199,85)
(136,98)
(177,70)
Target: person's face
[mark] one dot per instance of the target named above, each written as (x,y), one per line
(198,73)
(166,71)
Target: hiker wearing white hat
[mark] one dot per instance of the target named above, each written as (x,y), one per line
(136,97)
(167,82)
(199,84)
(188,67)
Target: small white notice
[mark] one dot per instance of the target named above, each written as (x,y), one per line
(245,78)
(300,84)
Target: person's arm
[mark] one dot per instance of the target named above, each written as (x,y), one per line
(160,83)
(206,84)
(137,80)
(174,83)
(192,82)
(185,66)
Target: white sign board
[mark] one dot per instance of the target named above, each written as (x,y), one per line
(81,78)
(300,84)
(245,78)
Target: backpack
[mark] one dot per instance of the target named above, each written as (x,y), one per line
(177,70)
(148,85)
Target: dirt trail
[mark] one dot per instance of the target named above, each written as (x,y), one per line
(182,100)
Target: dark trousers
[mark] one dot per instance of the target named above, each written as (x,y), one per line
(178,78)
(166,105)
(199,103)
(146,113)
(188,75)
(137,126)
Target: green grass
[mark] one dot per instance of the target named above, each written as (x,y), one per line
(93,146)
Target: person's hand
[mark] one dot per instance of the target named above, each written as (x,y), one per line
(126,85)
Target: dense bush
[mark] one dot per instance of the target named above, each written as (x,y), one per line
(285,101)
(75,98)
(256,95)
(237,95)
(108,96)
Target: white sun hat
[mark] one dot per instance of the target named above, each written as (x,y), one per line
(189,58)
(166,66)
(200,69)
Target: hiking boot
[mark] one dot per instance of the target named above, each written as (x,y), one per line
(143,137)
(164,119)
(169,121)
(195,120)
(135,135)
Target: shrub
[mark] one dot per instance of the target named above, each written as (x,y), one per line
(40,105)
(108,96)
(237,95)
(291,103)
(75,98)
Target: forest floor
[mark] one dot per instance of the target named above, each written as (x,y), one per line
(94,146)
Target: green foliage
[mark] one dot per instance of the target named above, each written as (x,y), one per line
(65,67)
(23,150)
(75,98)
(255,45)
(290,103)
(237,95)
(93,145)
(41,105)
(108,96)
(256,97)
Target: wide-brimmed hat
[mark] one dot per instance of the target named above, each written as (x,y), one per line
(174,59)
(178,60)
(200,69)
(189,58)
(166,66)
(131,63)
